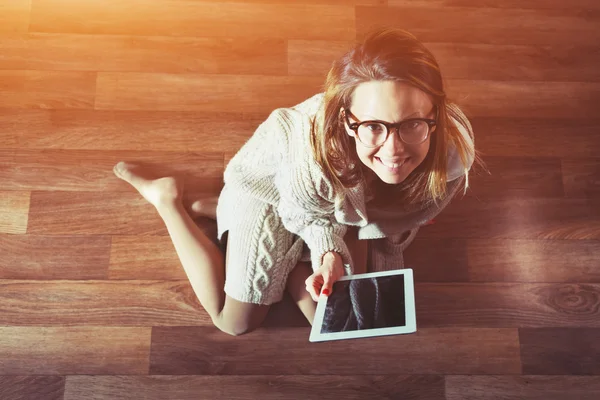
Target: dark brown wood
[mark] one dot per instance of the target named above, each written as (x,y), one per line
(507,304)
(75,350)
(529,137)
(507,260)
(101,303)
(581,177)
(560,351)
(424,257)
(530,387)
(515,218)
(517,177)
(32,387)
(203,350)
(358,387)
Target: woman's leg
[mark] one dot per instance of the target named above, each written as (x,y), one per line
(296,287)
(202,260)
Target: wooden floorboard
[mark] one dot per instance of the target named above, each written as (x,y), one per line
(530,387)
(202,350)
(489,25)
(94,301)
(118,130)
(186,387)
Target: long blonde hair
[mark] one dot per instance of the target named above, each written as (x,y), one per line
(389,55)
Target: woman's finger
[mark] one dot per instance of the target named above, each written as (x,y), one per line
(327,285)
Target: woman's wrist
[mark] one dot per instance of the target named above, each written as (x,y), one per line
(331,255)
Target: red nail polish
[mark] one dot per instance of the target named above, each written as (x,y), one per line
(325,292)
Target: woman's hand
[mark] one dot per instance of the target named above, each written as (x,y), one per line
(323,279)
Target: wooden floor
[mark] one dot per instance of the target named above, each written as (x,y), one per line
(93,301)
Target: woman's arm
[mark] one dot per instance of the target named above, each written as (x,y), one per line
(307,202)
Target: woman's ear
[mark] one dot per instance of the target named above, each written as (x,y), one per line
(349,131)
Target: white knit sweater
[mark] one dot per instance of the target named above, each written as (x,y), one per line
(276,165)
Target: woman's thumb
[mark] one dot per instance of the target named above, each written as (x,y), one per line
(327,286)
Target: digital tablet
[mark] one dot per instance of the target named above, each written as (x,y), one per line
(366,305)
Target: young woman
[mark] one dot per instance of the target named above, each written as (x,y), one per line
(369,161)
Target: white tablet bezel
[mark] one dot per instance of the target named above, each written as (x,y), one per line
(409,302)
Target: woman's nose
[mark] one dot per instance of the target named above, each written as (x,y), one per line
(393,144)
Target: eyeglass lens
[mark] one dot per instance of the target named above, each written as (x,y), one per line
(411,132)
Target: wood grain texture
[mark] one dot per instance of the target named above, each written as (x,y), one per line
(529,4)
(147,257)
(505,260)
(113,213)
(74,350)
(358,387)
(560,351)
(470,60)
(581,177)
(314,57)
(561,63)
(14,16)
(196,18)
(507,305)
(197,350)
(47,89)
(26,387)
(485,25)
(525,99)
(473,218)
(91,170)
(69,52)
(14,211)
(101,303)
(94,300)
(127,130)
(424,254)
(210,93)
(529,137)
(530,387)
(54,257)
(518,177)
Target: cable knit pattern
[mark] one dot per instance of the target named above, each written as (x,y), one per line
(276,166)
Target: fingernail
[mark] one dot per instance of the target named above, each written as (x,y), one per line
(325,292)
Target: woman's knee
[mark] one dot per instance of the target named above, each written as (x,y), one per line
(238,318)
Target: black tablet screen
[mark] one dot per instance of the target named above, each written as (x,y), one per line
(366,303)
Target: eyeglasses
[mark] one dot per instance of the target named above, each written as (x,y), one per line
(374,133)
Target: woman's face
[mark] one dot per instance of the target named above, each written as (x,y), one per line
(391,101)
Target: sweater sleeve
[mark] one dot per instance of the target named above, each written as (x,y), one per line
(307,204)
(276,166)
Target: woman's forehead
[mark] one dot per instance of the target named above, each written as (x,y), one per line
(391,101)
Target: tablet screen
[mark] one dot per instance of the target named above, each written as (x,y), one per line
(364,305)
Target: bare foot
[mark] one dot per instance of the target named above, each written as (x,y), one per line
(157,192)
(204,208)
